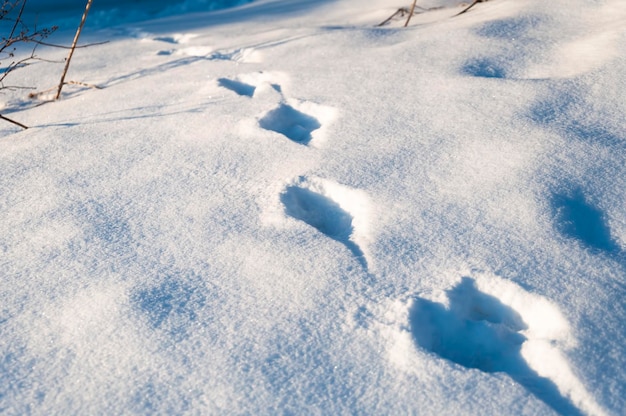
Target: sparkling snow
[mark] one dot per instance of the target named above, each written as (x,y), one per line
(279,207)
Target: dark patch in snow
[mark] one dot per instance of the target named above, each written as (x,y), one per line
(479,331)
(381,36)
(167,39)
(304,376)
(576,218)
(593,132)
(363,316)
(554,111)
(146,400)
(238,87)
(484,68)
(17,371)
(291,123)
(322,213)
(513,44)
(512,28)
(172,305)
(568,113)
(107,225)
(222,56)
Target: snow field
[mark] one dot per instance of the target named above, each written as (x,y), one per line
(265,214)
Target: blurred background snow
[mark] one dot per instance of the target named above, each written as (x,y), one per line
(105,13)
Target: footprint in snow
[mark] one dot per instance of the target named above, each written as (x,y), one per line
(243,56)
(479,331)
(240,88)
(485,68)
(247,84)
(300,121)
(196,51)
(176,38)
(291,123)
(337,211)
(182,39)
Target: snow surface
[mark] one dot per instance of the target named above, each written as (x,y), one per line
(283,208)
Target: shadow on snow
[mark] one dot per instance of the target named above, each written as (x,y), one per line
(322,213)
(478,331)
(576,218)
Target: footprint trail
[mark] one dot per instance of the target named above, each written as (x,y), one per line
(336,211)
(238,87)
(248,85)
(512,332)
(291,123)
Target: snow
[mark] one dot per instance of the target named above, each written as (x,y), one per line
(280,207)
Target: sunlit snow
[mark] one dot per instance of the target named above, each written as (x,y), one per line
(281,207)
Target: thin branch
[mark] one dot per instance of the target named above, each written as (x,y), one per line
(469,7)
(69,47)
(403,10)
(50,61)
(69,57)
(408,19)
(400,12)
(14,65)
(15,87)
(17,123)
(18,20)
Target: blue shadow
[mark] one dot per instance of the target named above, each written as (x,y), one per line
(238,87)
(484,68)
(594,133)
(291,123)
(172,306)
(107,226)
(480,332)
(323,214)
(576,218)
(511,29)
(555,113)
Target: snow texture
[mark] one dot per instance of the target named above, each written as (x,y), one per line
(280,207)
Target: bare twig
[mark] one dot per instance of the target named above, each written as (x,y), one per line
(50,61)
(474,3)
(17,123)
(16,87)
(18,20)
(404,11)
(69,57)
(16,36)
(17,64)
(408,19)
(401,11)
(53,45)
